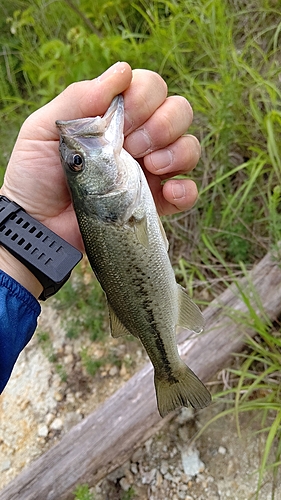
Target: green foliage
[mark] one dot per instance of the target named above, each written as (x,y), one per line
(274,208)
(82,492)
(91,365)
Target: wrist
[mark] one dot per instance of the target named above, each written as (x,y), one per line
(19,272)
(48,258)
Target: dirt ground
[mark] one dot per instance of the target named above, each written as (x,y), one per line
(39,406)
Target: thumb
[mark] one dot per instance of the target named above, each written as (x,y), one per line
(78,100)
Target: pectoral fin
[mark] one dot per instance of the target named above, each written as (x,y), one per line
(116,327)
(190,315)
(140,229)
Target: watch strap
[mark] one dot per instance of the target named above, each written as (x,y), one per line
(49,257)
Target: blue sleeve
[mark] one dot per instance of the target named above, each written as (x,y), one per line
(19,311)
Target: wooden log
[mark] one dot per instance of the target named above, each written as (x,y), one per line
(107,438)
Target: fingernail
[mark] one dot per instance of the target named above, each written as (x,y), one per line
(161,159)
(109,72)
(138,143)
(178,190)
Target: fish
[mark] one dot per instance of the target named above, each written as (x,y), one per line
(127,249)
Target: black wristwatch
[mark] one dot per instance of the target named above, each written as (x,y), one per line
(49,257)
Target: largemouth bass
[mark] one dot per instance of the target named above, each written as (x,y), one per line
(127,249)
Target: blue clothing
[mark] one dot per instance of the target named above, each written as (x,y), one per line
(19,311)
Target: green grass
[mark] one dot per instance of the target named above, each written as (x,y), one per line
(225,57)
(255,389)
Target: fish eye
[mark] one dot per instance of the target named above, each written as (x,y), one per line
(75,162)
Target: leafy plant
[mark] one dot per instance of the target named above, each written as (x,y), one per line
(91,365)
(82,492)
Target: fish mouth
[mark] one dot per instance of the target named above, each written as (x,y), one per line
(107,125)
(80,127)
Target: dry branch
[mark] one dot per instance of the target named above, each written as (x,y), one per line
(107,438)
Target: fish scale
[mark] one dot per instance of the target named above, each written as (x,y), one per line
(128,251)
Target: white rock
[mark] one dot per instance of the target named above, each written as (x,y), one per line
(5,465)
(147,445)
(42,431)
(113,371)
(57,424)
(183,487)
(169,477)
(164,467)
(49,418)
(70,398)
(191,462)
(124,483)
(134,468)
(148,476)
(58,396)
(222,450)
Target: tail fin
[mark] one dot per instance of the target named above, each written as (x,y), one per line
(183,388)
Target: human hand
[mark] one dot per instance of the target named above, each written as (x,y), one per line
(153,130)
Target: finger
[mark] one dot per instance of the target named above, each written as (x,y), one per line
(165,126)
(179,195)
(80,100)
(179,158)
(145,94)
(174,196)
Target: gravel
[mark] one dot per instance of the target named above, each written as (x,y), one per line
(38,407)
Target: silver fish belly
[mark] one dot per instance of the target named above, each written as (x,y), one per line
(127,249)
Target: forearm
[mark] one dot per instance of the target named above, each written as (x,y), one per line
(19,311)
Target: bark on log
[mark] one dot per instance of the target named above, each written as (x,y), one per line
(107,438)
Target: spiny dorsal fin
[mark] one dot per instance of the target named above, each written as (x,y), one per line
(190,315)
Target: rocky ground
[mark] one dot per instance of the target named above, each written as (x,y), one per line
(43,400)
